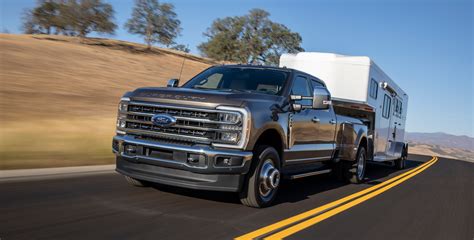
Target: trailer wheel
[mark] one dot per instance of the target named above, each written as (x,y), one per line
(136,182)
(355,170)
(263,180)
(400,163)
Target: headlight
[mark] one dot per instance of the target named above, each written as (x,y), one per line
(235,123)
(123,106)
(121,123)
(230,117)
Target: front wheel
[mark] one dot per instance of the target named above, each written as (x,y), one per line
(355,171)
(263,180)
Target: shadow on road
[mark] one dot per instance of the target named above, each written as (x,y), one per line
(297,190)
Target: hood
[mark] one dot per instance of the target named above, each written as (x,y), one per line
(198,97)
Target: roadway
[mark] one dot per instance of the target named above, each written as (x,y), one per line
(434,202)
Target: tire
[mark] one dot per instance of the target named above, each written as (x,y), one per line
(354,171)
(400,163)
(262,182)
(136,182)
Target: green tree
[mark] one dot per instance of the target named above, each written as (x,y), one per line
(86,16)
(70,17)
(42,19)
(181,47)
(252,38)
(156,22)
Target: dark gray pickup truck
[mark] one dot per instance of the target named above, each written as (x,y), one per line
(237,128)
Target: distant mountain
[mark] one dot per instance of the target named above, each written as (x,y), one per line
(441,139)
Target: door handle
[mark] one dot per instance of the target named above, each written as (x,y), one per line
(332,121)
(316,120)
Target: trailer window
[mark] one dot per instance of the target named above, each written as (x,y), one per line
(387,102)
(374,88)
(396,107)
(400,108)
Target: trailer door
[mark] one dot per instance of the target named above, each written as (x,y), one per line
(395,137)
(382,136)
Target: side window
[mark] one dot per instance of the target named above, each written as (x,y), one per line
(374,89)
(387,103)
(301,87)
(316,84)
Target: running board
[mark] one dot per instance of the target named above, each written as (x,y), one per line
(308,174)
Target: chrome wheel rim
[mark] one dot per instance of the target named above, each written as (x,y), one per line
(361,166)
(269,179)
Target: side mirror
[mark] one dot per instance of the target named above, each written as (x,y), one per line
(321,98)
(296,106)
(173,83)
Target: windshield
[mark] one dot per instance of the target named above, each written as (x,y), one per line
(261,80)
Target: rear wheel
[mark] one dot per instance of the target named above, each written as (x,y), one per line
(263,180)
(136,182)
(355,171)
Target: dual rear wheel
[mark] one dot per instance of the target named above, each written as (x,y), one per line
(354,171)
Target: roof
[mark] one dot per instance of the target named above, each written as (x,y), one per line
(258,66)
(334,57)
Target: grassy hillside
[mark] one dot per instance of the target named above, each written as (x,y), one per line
(59,95)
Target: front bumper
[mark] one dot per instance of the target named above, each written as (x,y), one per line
(193,166)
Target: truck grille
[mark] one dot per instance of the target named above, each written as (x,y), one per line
(192,125)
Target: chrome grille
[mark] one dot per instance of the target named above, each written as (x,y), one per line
(174,112)
(192,125)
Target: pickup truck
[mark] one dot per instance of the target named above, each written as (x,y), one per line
(237,128)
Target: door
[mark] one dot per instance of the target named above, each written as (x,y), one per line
(382,131)
(306,144)
(325,124)
(394,146)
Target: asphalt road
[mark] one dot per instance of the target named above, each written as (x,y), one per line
(437,203)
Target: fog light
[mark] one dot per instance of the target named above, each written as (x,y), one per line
(196,160)
(227,161)
(130,149)
(193,158)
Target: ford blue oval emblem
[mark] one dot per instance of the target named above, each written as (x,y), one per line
(163,120)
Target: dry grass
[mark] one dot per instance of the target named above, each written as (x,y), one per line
(445,152)
(62,142)
(58,95)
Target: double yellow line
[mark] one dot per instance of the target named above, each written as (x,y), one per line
(289,226)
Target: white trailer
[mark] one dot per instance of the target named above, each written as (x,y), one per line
(359,88)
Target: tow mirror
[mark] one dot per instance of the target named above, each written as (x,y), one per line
(173,83)
(321,98)
(296,106)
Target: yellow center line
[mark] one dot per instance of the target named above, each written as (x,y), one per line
(312,221)
(310,213)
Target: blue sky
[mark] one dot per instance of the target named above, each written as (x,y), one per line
(425,46)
